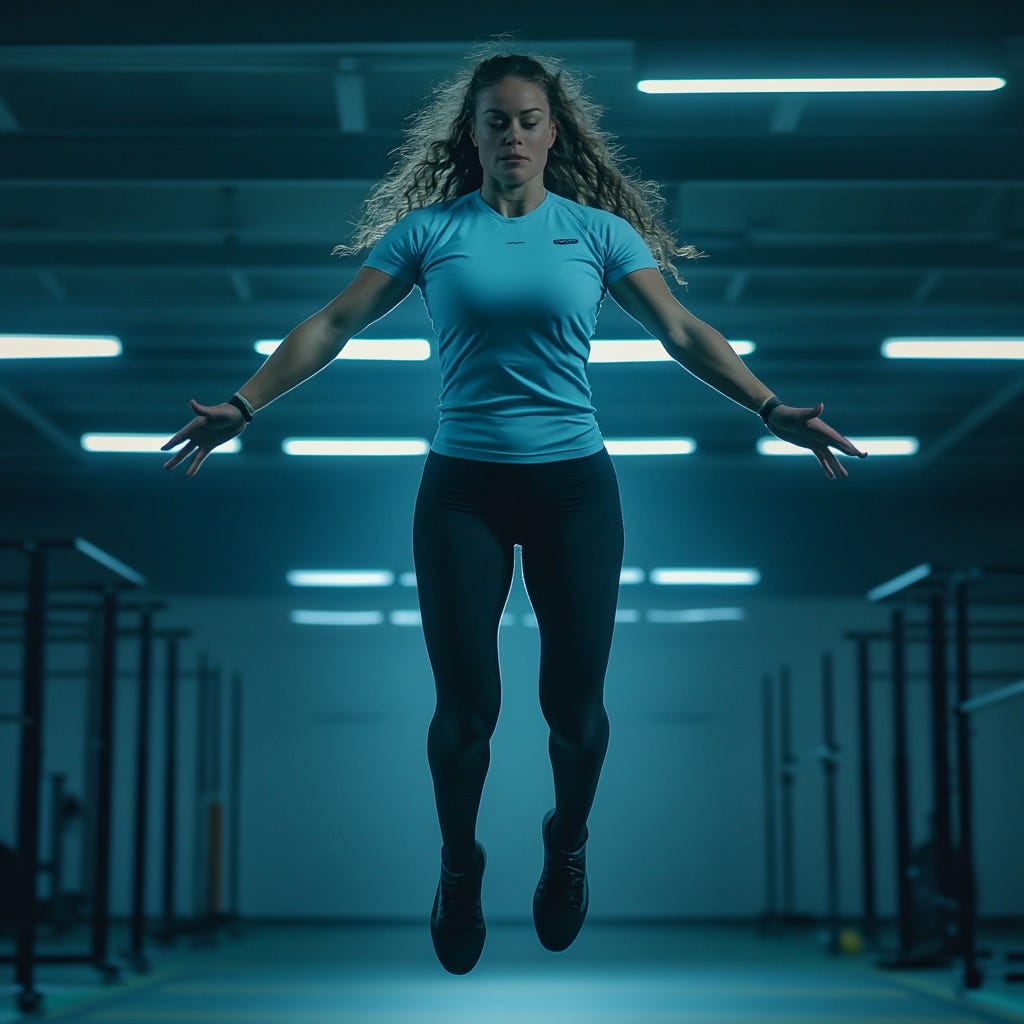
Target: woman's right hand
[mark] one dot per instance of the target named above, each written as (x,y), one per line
(213,425)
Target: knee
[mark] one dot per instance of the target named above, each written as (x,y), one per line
(460,727)
(584,726)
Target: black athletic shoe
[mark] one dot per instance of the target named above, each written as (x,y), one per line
(563,893)
(457,920)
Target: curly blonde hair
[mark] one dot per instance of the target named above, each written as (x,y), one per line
(438,161)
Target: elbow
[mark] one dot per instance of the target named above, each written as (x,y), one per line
(676,342)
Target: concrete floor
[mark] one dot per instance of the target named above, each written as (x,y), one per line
(613,974)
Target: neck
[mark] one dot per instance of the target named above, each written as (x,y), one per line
(513,202)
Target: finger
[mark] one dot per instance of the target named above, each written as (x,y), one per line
(836,440)
(179,456)
(201,454)
(176,440)
(822,458)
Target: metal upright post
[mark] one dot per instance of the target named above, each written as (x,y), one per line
(788,780)
(57,901)
(968,895)
(235,795)
(829,764)
(105,753)
(940,745)
(138,953)
(901,775)
(866,794)
(771,869)
(199,844)
(170,786)
(29,999)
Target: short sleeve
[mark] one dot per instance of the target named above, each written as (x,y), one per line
(399,251)
(625,250)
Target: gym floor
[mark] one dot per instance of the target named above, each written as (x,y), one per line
(614,974)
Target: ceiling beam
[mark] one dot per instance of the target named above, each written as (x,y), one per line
(237,156)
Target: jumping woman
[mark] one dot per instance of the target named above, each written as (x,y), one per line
(507,210)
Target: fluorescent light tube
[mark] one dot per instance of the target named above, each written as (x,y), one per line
(953,348)
(627,615)
(40,346)
(705,577)
(307,617)
(665,616)
(340,446)
(134,443)
(651,446)
(871,445)
(629,575)
(407,579)
(405,617)
(644,350)
(340,578)
(809,85)
(386,349)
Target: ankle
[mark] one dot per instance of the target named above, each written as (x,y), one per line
(459,861)
(565,840)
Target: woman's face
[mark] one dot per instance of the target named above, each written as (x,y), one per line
(513,131)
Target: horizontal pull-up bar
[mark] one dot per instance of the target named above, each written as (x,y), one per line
(996,697)
(86,548)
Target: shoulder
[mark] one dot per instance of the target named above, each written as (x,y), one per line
(600,221)
(423,216)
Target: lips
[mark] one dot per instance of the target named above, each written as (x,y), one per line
(513,159)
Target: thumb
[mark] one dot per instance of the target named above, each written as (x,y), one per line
(817,410)
(199,410)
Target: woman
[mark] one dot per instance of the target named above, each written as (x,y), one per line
(507,210)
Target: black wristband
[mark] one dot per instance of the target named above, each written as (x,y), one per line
(766,410)
(241,407)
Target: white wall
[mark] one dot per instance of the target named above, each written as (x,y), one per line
(337,809)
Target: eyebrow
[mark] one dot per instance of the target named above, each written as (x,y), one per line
(529,110)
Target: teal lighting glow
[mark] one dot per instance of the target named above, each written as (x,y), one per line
(630,575)
(310,617)
(627,615)
(407,579)
(812,85)
(871,445)
(705,577)
(45,346)
(340,578)
(135,443)
(651,446)
(953,348)
(363,446)
(401,350)
(693,615)
(645,350)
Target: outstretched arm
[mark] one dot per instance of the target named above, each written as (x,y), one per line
(306,350)
(703,351)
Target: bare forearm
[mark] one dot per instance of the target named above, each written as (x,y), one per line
(305,351)
(709,357)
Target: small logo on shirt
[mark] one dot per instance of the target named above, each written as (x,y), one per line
(565,241)
(515,243)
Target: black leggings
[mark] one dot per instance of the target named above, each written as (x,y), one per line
(567,518)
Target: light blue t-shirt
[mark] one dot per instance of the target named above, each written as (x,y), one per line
(514,304)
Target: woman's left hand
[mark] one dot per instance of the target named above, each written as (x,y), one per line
(803,427)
